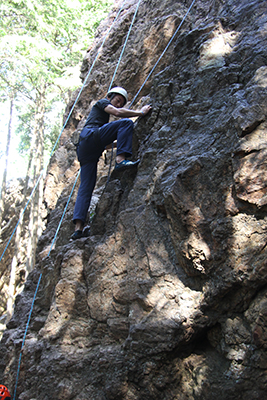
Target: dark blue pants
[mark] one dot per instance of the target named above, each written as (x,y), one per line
(88,156)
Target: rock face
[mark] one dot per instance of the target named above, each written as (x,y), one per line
(167,298)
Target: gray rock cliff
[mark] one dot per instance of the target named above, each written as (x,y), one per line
(167,297)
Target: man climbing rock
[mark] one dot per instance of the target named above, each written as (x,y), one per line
(97,134)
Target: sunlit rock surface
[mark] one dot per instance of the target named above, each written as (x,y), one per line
(167,298)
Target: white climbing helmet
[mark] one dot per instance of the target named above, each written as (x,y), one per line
(119,90)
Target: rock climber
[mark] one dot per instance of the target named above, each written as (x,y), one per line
(4,393)
(97,134)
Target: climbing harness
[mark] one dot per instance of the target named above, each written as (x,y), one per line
(40,277)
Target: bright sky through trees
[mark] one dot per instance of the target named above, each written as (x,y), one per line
(42,44)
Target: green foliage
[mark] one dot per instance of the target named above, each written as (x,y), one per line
(65,24)
(24,129)
(41,41)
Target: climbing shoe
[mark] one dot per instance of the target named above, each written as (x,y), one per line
(125,164)
(77,235)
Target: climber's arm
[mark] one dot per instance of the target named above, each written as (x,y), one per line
(125,112)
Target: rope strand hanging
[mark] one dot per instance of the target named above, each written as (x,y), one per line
(37,287)
(126,40)
(61,220)
(162,54)
(64,126)
(40,276)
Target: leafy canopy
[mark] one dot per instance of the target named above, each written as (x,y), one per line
(41,41)
(64,27)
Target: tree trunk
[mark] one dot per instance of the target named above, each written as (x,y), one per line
(35,217)
(18,253)
(35,160)
(3,189)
